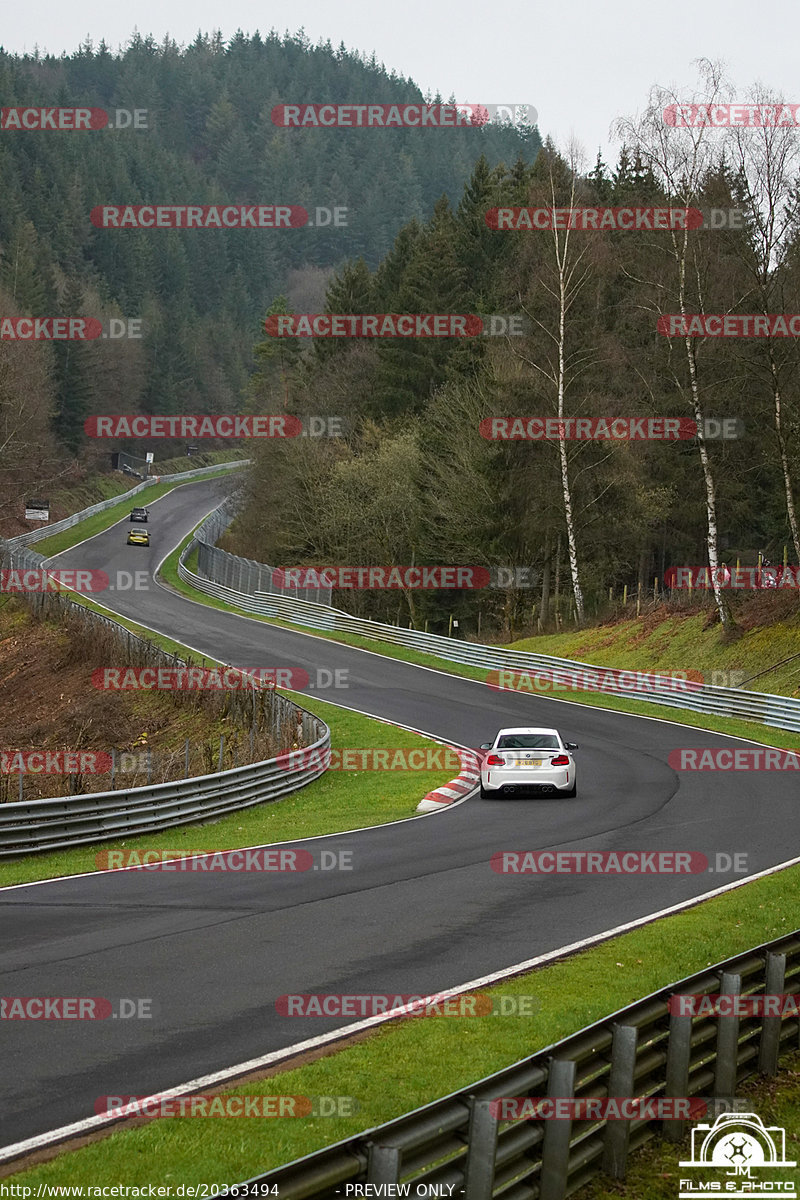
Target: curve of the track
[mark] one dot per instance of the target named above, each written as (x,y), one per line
(421,909)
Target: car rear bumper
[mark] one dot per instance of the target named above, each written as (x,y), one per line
(528,779)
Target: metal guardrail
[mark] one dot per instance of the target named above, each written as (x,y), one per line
(38,535)
(639,1051)
(780,712)
(82,820)
(247,576)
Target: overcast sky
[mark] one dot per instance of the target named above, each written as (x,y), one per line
(579,63)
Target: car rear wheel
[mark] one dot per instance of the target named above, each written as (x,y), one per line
(488,793)
(573,791)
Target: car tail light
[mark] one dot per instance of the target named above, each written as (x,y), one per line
(560,760)
(494,760)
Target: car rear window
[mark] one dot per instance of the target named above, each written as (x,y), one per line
(528,741)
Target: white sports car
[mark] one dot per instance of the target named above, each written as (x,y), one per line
(528,760)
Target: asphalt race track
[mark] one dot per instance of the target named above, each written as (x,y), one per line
(420,911)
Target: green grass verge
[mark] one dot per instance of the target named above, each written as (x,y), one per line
(104,520)
(683,642)
(412,1062)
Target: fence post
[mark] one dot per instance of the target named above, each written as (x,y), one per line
(383,1165)
(620,1083)
(113,768)
(557,1134)
(186,750)
(679,1049)
(727,1041)
(769,1041)
(481,1151)
(221,751)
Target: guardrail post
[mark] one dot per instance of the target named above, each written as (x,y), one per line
(481,1150)
(769,1043)
(383,1165)
(679,1049)
(620,1083)
(727,1041)
(557,1134)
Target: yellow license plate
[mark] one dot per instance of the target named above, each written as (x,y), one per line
(529,762)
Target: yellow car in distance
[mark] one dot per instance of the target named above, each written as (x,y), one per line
(139,537)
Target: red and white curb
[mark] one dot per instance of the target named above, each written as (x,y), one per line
(457,788)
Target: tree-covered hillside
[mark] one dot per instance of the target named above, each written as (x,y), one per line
(201,294)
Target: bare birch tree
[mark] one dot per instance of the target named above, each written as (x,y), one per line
(681,160)
(560,368)
(765,160)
